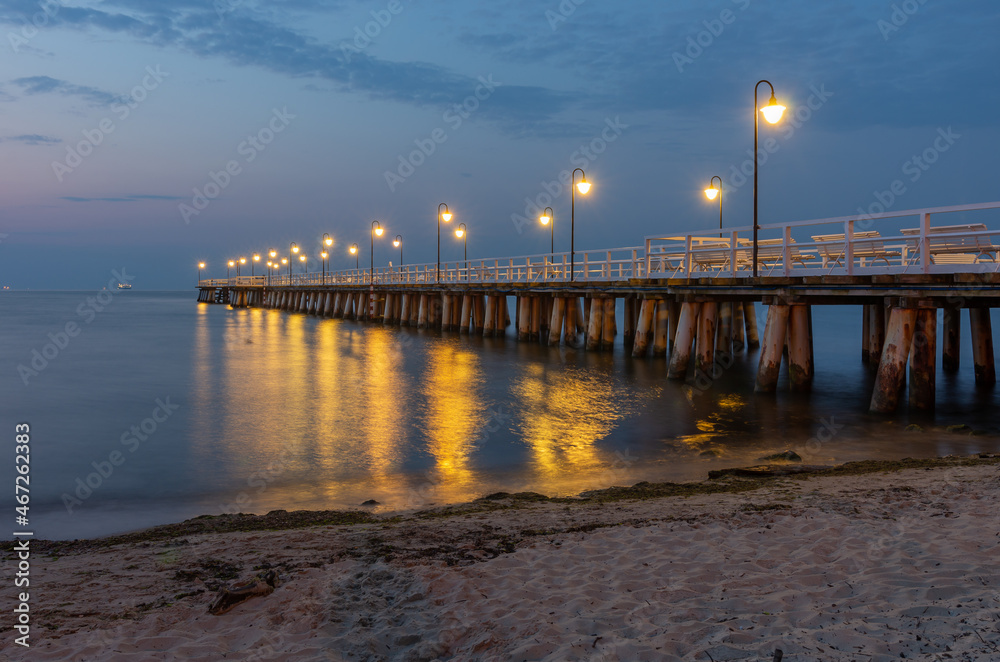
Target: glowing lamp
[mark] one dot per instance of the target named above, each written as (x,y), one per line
(772,111)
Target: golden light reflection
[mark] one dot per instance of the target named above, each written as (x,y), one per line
(565,413)
(456,415)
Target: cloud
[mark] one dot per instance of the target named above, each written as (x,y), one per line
(32,85)
(32,139)
(127,198)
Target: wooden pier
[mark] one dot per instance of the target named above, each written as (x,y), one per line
(689,299)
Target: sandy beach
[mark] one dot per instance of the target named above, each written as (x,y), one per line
(868,563)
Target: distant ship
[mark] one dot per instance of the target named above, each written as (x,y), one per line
(124,286)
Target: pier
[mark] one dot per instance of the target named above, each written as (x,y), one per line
(688,298)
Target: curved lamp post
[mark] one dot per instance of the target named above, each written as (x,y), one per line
(273,254)
(269,264)
(584,187)
(772,113)
(547,218)
(256,258)
(711,193)
(229,266)
(292,249)
(243,260)
(398,243)
(377,231)
(302,259)
(354,251)
(201,265)
(445,216)
(322,259)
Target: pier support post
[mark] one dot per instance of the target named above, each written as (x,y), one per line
(705,350)
(724,339)
(739,330)
(536,321)
(446,312)
(892,366)
(661,331)
(982,346)
(581,323)
(750,322)
(877,326)
(404,311)
(951,334)
(775,331)
(608,325)
(556,321)
(523,318)
(570,336)
(687,326)
(800,357)
(923,354)
(643,331)
(422,312)
(466,320)
(866,323)
(630,313)
(596,325)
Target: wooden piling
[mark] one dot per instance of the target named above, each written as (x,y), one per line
(630,313)
(951,333)
(724,337)
(643,331)
(536,322)
(877,330)
(892,367)
(982,346)
(704,357)
(739,330)
(923,355)
(866,317)
(595,325)
(800,357)
(608,324)
(556,321)
(750,322)
(661,331)
(775,331)
(686,328)
(570,335)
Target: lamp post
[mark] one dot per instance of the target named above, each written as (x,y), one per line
(273,254)
(772,113)
(398,243)
(354,252)
(292,249)
(446,216)
(462,233)
(322,260)
(243,260)
(201,265)
(711,192)
(229,266)
(256,258)
(584,187)
(547,218)
(269,264)
(328,242)
(302,259)
(377,231)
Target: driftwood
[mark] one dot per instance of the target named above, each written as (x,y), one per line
(262,584)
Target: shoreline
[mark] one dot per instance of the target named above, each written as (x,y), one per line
(347,579)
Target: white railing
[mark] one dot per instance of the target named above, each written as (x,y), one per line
(845,245)
(616,264)
(851,245)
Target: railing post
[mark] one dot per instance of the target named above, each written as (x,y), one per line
(849,246)
(687,257)
(786,250)
(648,262)
(925,243)
(732,252)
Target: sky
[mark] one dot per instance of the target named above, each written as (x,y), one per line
(149,135)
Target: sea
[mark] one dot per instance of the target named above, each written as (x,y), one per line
(147,408)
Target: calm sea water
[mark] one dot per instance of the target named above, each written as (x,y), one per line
(261,410)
